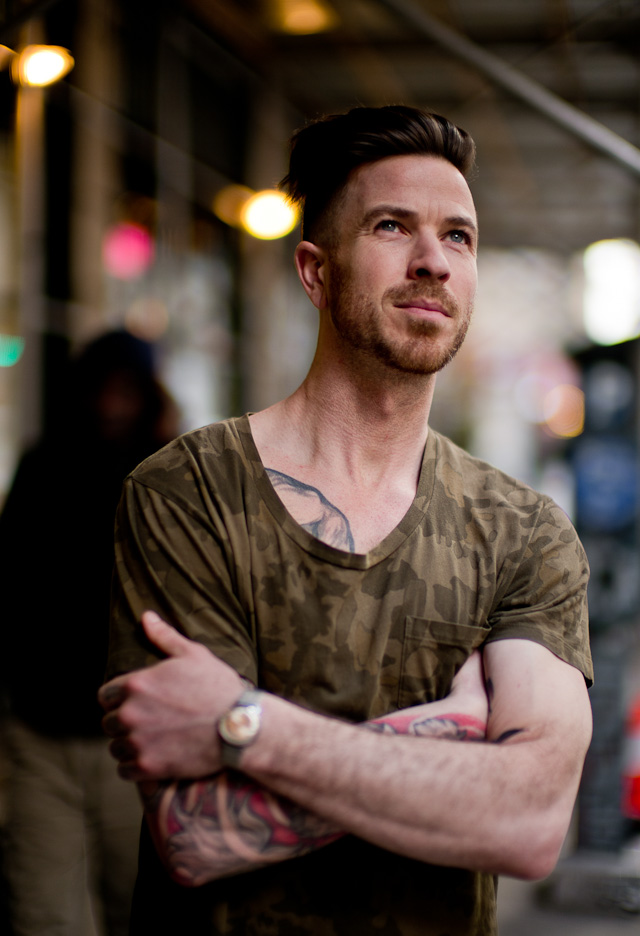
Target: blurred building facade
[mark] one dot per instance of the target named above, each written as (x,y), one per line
(108,181)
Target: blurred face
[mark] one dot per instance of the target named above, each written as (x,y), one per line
(399,278)
(119,406)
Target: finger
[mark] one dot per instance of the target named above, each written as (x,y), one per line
(122,750)
(112,726)
(112,694)
(127,766)
(165,637)
(131,772)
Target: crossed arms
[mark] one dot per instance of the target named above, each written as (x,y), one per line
(308,779)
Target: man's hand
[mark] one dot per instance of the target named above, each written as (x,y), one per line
(163,723)
(163,719)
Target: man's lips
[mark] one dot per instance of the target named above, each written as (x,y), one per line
(424,305)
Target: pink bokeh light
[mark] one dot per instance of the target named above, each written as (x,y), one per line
(127,251)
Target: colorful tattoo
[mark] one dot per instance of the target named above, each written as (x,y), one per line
(313,511)
(152,794)
(455,727)
(227,823)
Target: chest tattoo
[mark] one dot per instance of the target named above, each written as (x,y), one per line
(311,509)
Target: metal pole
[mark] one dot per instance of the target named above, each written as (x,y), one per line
(514,81)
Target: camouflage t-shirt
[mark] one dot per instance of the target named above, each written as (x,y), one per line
(203,539)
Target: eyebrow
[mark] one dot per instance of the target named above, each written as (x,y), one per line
(462,221)
(381,211)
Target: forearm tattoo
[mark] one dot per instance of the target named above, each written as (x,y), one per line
(227,824)
(454,727)
(313,511)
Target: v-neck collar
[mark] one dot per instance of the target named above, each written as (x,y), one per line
(323,551)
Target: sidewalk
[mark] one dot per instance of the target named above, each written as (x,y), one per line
(520,914)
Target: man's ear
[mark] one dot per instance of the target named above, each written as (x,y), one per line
(310,264)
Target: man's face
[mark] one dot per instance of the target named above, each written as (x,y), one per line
(400,275)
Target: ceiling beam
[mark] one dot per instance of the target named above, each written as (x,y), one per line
(555,108)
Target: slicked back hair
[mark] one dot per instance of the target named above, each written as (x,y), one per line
(325,152)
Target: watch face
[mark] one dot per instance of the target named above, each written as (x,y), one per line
(240,725)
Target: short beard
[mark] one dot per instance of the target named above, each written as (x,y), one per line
(357,320)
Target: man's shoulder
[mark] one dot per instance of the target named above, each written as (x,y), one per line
(204,451)
(479,476)
(204,471)
(485,490)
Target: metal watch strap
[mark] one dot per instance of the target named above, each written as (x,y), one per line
(232,751)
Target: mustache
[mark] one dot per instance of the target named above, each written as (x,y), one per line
(426,291)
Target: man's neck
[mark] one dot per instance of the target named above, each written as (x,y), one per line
(366,425)
(358,443)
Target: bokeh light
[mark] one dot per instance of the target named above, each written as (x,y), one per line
(302,17)
(11,348)
(612,291)
(538,374)
(229,202)
(147,318)
(268,215)
(564,411)
(127,251)
(41,65)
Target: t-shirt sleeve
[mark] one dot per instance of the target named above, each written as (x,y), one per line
(543,589)
(174,558)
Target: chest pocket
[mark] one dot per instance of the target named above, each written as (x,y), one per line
(432,653)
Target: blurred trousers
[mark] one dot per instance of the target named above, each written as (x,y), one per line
(71,837)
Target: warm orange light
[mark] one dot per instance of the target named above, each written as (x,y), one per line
(268,215)
(41,65)
(229,202)
(564,411)
(303,17)
(7,56)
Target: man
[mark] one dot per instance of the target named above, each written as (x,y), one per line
(349,562)
(71,828)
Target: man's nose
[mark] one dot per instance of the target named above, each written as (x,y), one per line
(429,259)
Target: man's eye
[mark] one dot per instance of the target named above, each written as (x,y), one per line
(388,225)
(459,237)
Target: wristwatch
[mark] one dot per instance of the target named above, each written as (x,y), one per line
(239,726)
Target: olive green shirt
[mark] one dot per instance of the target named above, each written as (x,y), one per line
(203,539)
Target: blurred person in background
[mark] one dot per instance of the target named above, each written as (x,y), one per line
(330,569)
(72,827)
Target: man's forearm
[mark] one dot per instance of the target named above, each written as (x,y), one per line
(230,823)
(226,824)
(468,806)
(463,805)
